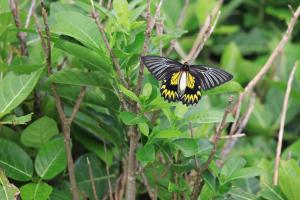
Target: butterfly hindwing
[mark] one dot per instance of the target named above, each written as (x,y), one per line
(169,87)
(192,93)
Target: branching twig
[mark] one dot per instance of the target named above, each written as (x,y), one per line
(22,36)
(150,25)
(205,32)
(179,25)
(199,182)
(78,103)
(282,121)
(285,38)
(92,179)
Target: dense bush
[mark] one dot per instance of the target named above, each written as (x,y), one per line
(73,123)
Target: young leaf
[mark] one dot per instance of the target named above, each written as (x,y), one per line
(36,191)
(144,128)
(146,154)
(14,120)
(15,162)
(39,132)
(247,172)
(15,89)
(130,118)
(51,159)
(129,94)
(169,133)
(230,167)
(188,146)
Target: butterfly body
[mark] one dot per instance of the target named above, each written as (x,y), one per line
(184,82)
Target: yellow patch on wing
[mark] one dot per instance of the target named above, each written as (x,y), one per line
(190,81)
(169,94)
(175,78)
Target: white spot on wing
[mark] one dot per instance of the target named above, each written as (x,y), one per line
(182,82)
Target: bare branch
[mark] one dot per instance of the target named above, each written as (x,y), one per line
(150,25)
(48,37)
(226,137)
(179,25)
(205,32)
(32,7)
(78,103)
(108,47)
(21,36)
(150,191)
(39,30)
(92,179)
(282,121)
(275,52)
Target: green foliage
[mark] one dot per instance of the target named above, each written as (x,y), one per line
(173,139)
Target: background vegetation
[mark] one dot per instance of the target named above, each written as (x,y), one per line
(75,123)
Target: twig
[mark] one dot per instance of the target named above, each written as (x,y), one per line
(78,103)
(39,29)
(150,25)
(285,38)
(179,25)
(32,7)
(275,52)
(92,179)
(108,47)
(107,173)
(282,121)
(150,191)
(199,182)
(66,122)
(226,137)
(205,32)
(21,35)
(192,136)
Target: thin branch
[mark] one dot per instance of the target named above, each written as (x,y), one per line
(92,179)
(282,122)
(199,182)
(179,25)
(66,123)
(78,103)
(150,191)
(32,7)
(275,52)
(150,25)
(226,137)
(21,36)
(39,30)
(205,32)
(108,47)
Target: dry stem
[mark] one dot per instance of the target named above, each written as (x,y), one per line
(282,121)
(21,36)
(92,179)
(32,7)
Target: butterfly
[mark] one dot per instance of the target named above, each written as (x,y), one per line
(184,82)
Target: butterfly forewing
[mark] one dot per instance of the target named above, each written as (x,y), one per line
(160,67)
(210,77)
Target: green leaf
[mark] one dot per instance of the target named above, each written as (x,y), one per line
(230,167)
(146,154)
(244,173)
(39,132)
(78,26)
(289,173)
(81,78)
(7,190)
(270,193)
(144,128)
(240,194)
(36,191)
(14,120)
(230,87)
(97,62)
(15,89)
(188,146)
(99,175)
(131,95)
(15,161)
(146,92)
(130,118)
(51,159)
(169,133)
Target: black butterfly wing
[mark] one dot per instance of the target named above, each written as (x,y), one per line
(192,93)
(210,77)
(160,67)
